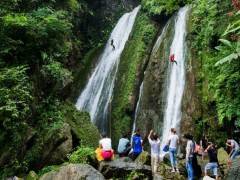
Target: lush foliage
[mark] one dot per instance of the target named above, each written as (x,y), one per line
(41,43)
(83,155)
(157,7)
(216,45)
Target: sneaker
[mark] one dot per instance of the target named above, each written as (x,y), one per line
(177,170)
(173,171)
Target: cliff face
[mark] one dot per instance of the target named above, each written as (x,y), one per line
(191,102)
(152,104)
(130,71)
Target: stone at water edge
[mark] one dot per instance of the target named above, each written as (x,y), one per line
(73,172)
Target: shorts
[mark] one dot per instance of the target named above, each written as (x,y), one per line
(212,166)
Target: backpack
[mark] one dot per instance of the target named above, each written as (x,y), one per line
(137,144)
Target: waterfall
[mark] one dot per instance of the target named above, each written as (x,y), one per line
(176,80)
(137,107)
(97,94)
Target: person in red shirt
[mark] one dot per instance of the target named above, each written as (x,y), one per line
(172,58)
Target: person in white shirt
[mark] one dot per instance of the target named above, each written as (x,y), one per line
(173,142)
(106,145)
(155,150)
(234,148)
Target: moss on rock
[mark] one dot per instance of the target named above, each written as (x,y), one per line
(132,62)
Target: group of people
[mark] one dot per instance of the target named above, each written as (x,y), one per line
(134,147)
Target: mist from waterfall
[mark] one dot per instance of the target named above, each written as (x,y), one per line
(96,96)
(176,80)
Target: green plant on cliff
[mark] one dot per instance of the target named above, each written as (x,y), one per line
(214,44)
(83,155)
(157,7)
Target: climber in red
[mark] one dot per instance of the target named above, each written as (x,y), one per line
(172,58)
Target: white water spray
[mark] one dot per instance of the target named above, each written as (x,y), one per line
(96,96)
(176,82)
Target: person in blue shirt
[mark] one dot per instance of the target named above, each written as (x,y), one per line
(136,144)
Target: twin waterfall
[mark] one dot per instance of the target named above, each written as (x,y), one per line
(96,96)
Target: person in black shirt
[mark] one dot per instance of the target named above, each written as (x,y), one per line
(213,160)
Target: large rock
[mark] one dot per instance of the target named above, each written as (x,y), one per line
(164,172)
(233,172)
(74,172)
(144,158)
(120,169)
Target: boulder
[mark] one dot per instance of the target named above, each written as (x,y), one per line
(222,156)
(73,172)
(164,172)
(144,158)
(121,169)
(32,176)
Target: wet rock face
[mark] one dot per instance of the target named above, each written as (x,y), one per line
(74,172)
(152,105)
(191,104)
(121,169)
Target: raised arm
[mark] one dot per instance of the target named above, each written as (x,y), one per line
(149,135)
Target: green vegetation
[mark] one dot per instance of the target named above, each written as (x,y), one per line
(42,43)
(132,62)
(84,155)
(216,46)
(160,7)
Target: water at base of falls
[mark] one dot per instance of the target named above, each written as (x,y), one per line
(176,81)
(97,94)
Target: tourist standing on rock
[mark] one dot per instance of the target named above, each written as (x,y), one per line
(106,145)
(154,142)
(190,148)
(124,146)
(213,160)
(173,146)
(136,144)
(234,148)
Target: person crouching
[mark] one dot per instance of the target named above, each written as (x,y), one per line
(106,145)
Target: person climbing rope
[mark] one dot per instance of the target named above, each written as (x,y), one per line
(172,58)
(112,44)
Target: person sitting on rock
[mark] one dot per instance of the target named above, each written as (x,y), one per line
(136,144)
(106,145)
(154,141)
(124,146)
(234,146)
(213,160)
(172,59)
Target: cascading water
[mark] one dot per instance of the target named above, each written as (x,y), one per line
(176,81)
(137,108)
(96,96)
